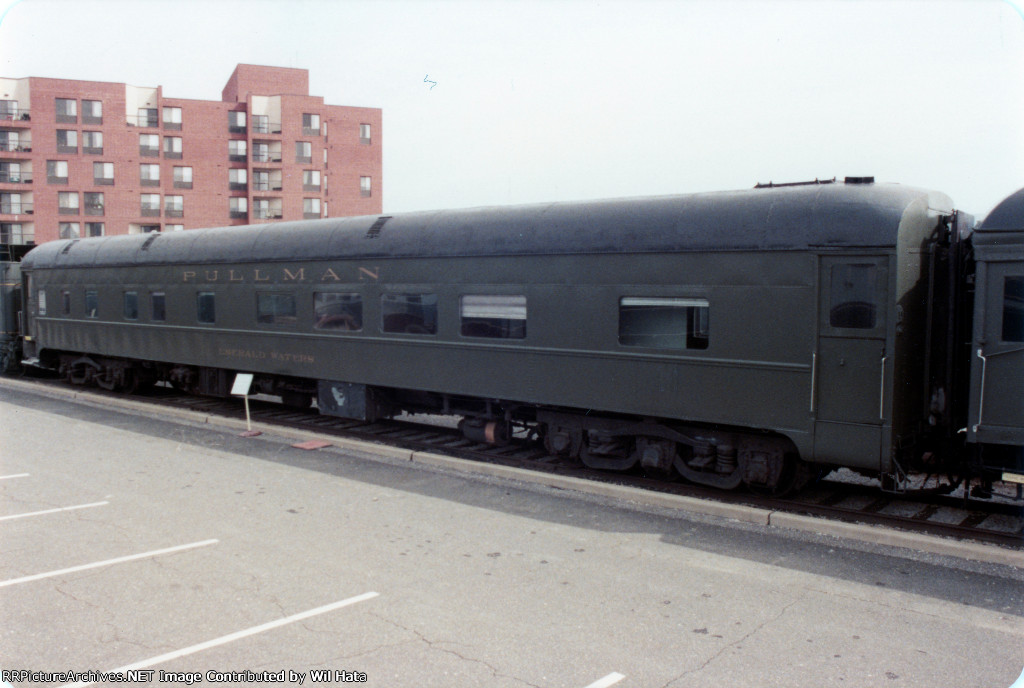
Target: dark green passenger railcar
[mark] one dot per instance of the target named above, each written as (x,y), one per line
(733,337)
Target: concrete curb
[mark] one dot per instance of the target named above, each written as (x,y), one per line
(877,535)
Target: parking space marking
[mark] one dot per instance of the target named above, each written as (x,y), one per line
(14,475)
(609,680)
(231,637)
(52,511)
(107,562)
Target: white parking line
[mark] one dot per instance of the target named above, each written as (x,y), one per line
(14,475)
(52,511)
(609,680)
(234,636)
(118,560)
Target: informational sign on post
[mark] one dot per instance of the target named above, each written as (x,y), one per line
(241,388)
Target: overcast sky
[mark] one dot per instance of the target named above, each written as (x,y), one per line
(493,102)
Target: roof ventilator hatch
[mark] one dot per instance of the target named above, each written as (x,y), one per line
(376,227)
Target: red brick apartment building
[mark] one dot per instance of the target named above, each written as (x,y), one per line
(90,158)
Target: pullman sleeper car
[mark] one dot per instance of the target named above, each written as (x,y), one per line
(738,338)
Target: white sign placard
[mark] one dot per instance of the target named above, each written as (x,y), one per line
(243,382)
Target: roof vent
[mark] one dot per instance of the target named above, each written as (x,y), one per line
(68,246)
(149,241)
(376,227)
(859,180)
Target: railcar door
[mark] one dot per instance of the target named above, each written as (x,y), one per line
(997,375)
(851,366)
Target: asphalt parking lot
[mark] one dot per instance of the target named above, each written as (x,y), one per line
(186,554)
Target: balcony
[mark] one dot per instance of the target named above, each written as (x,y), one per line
(266,156)
(16,117)
(8,146)
(267,214)
(149,210)
(15,178)
(15,208)
(151,121)
(94,209)
(259,127)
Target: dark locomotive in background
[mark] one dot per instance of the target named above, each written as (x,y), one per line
(751,337)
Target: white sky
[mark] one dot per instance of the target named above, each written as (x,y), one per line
(563,100)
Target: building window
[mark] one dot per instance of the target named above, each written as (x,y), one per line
(261,124)
(494,317)
(334,311)
(10,173)
(10,204)
(92,112)
(41,294)
(311,180)
(67,202)
(14,233)
(150,205)
(364,186)
(174,206)
(172,147)
(131,305)
(94,229)
(237,151)
(158,301)
(182,177)
(310,208)
(238,207)
(56,172)
(67,141)
(69,230)
(149,174)
(364,133)
(303,151)
(147,117)
(103,173)
(663,323)
(237,179)
(409,313)
(172,118)
(67,110)
(174,228)
(9,110)
(310,124)
(236,122)
(149,145)
(10,141)
(205,311)
(65,302)
(92,142)
(93,203)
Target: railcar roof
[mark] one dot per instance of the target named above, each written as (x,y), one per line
(782,218)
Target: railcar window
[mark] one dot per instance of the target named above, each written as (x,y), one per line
(42,302)
(334,311)
(92,303)
(131,305)
(664,323)
(275,308)
(159,302)
(496,317)
(852,303)
(410,313)
(205,311)
(1013,309)
(65,302)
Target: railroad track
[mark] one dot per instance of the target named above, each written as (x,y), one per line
(843,498)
